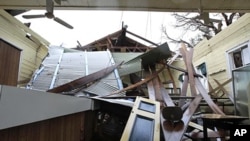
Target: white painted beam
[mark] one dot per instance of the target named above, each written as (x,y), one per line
(21,106)
(136,5)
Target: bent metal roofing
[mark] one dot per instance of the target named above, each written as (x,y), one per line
(62,67)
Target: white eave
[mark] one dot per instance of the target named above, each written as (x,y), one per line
(21,106)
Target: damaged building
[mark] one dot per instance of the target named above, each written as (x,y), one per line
(117,88)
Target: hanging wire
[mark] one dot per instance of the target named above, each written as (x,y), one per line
(150,25)
(146,28)
(162,24)
(121,19)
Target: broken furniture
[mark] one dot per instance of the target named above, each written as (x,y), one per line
(218,121)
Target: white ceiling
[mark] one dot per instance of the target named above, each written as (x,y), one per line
(136,5)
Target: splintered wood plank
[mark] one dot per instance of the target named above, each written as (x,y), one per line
(150,86)
(188,56)
(207,98)
(147,79)
(183,91)
(219,87)
(196,82)
(172,79)
(210,88)
(183,70)
(197,126)
(168,101)
(151,91)
(158,94)
(173,58)
(166,98)
(175,132)
(78,83)
(143,123)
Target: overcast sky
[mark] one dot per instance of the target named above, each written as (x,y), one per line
(92,25)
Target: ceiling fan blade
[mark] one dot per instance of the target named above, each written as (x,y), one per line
(33,16)
(63,22)
(49,6)
(58,1)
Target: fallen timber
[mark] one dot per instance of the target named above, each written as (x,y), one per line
(178,130)
(188,57)
(138,83)
(80,82)
(220,86)
(175,132)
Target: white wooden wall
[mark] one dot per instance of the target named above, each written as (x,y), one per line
(33,51)
(213,51)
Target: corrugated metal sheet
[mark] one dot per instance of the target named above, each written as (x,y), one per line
(74,65)
(101,88)
(97,61)
(71,67)
(42,81)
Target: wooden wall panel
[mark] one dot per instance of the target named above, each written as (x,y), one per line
(213,51)
(9,64)
(33,52)
(65,128)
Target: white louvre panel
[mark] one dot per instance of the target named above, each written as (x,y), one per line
(101,88)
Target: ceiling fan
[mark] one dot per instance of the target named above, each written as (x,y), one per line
(49,14)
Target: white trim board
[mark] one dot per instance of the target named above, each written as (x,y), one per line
(21,106)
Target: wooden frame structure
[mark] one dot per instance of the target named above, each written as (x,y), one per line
(174,131)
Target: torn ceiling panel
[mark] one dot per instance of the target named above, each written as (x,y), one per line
(154,55)
(131,66)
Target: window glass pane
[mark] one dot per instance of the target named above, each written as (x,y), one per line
(143,129)
(237,59)
(246,56)
(147,107)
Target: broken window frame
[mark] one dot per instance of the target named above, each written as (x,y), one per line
(243,50)
(200,70)
(230,61)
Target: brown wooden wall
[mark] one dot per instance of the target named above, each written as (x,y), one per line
(9,63)
(75,127)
